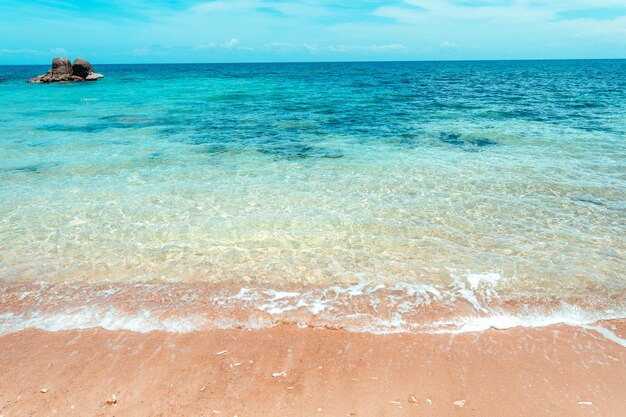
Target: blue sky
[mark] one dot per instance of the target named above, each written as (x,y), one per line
(138,31)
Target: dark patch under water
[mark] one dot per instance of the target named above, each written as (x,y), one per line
(268,138)
(90,128)
(213,149)
(38,113)
(590,201)
(34,168)
(105,123)
(299,151)
(465,142)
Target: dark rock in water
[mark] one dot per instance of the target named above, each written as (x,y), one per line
(63,71)
(81,68)
(49,77)
(61,66)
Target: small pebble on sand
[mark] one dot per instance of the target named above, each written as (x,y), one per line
(460,403)
(43,390)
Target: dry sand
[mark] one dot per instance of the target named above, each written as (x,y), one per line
(288,371)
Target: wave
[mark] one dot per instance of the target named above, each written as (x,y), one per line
(471,303)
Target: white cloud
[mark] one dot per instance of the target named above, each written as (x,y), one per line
(141,51)
(225,6)
(231,43)
(520,11)
(313,48)
(210,45)
(9,51)
(448,44)
(401,14)
(424,10)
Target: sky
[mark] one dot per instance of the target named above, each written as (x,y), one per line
(164,31)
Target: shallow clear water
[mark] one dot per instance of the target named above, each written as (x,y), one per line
(282,174)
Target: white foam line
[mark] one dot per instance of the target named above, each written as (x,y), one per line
(606,333)
(477,289)
(88,318)
(279,295)
(504,322)
(144,322)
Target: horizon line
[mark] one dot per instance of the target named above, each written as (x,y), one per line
(337,62)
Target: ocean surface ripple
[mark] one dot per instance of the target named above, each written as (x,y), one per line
(284,177)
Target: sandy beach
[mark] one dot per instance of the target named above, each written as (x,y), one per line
(289,371)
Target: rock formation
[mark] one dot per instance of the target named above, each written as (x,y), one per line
(61,66)
(63,71)
(81,68)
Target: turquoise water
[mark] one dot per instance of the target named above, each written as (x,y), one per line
(510,174)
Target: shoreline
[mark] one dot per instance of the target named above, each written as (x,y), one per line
(551,371)
(468,305)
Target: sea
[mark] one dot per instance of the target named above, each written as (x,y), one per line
(373,197)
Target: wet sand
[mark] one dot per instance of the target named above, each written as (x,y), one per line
(289,371)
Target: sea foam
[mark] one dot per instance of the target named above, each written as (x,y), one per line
(471,303)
